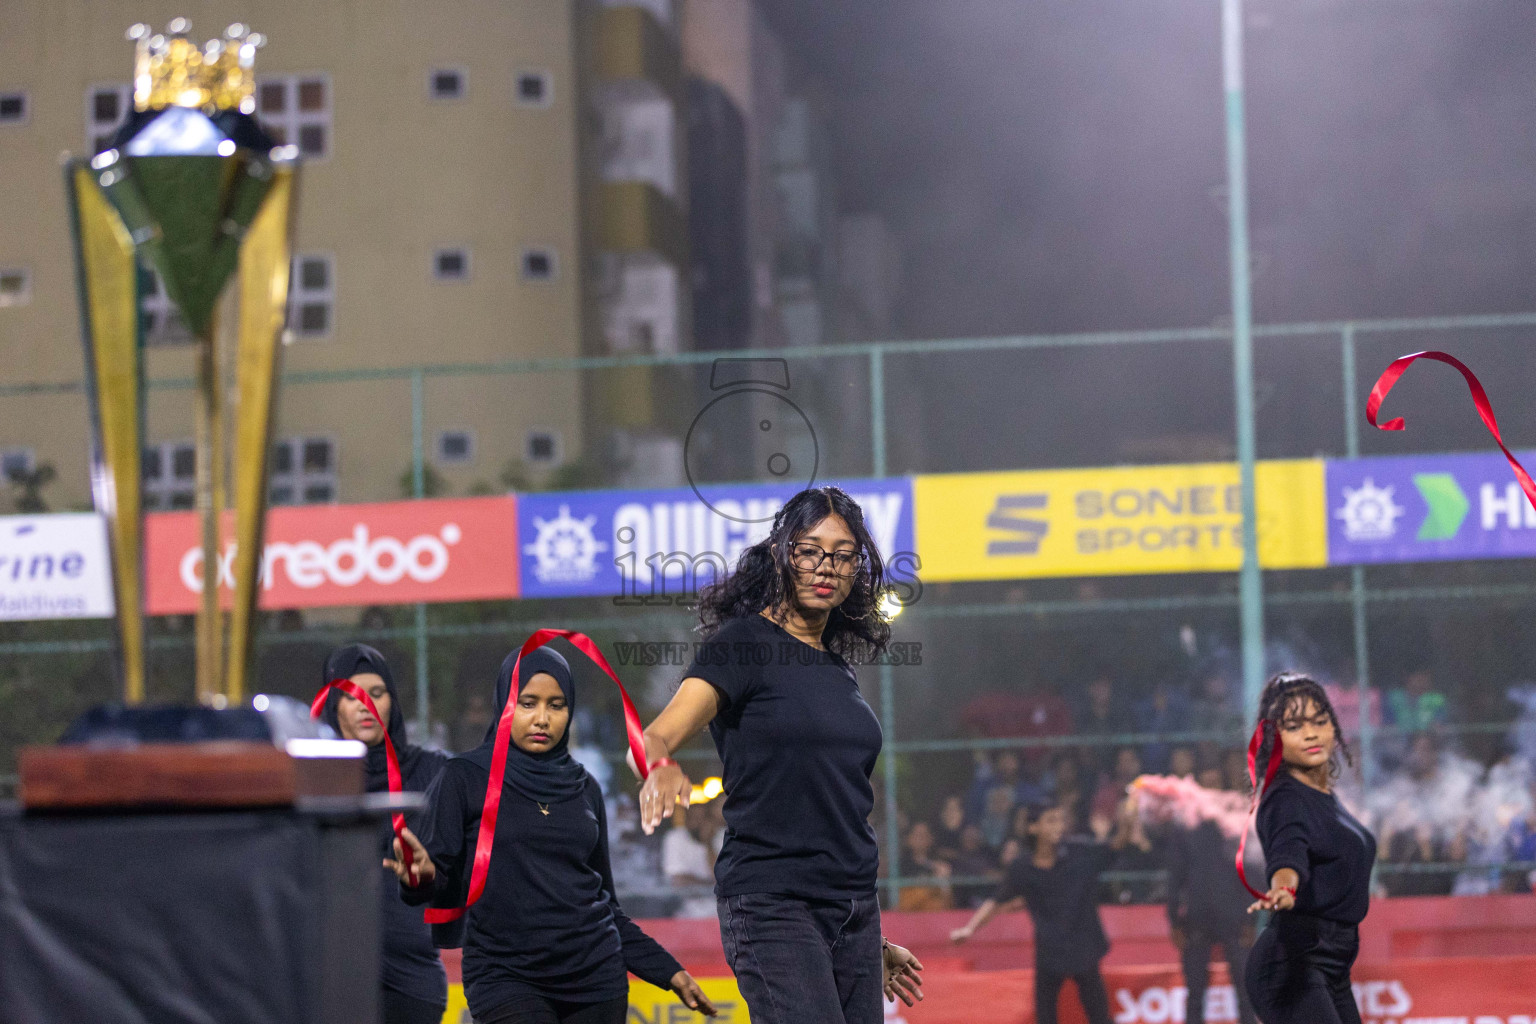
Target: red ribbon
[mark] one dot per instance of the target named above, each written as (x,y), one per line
(488,813)
(1253,777)
(391,760)
(1479,398)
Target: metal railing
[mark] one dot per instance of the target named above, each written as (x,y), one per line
(420,634)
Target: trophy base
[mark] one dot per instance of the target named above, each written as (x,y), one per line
(152,776)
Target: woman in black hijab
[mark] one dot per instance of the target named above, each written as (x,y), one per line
(415,985)
(547,942)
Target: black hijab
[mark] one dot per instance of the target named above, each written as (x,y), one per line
(346,662)
(554,774)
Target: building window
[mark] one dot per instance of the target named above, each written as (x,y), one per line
(13,108)
(302,472)
(16,463)
(543,447)
(296,110)
(106,108)
(311,295)
(451,264)
(455,447)
(534,89)
(161,320)
(15,286)
(538,264)
(170,476)
(448,83)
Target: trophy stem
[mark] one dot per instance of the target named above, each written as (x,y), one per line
(210,503)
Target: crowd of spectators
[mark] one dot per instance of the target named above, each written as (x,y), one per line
(1447,824)
(1042,749)
(963,850)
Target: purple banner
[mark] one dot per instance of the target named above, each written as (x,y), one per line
(1423,508)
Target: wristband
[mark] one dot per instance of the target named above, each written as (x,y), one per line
(1290,889)
(661,762)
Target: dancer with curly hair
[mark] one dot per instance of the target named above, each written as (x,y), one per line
(1318,859)
(795,879)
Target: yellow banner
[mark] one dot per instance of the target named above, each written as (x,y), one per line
(647,1004)
(1115,522)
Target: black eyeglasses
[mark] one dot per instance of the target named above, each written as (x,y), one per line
(808,558)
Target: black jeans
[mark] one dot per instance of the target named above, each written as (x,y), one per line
(1298,971)
(1090,992)
(801,961)
(402,1009)
(535,1009)
(1199,937)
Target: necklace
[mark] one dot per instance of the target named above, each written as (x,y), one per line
(543,809)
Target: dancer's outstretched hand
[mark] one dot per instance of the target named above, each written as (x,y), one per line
(1278,898)
(665,788)
(421,870)
(903,974)
(692,996)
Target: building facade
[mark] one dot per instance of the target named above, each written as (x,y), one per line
(497,182)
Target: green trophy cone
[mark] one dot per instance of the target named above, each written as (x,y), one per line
(187,192)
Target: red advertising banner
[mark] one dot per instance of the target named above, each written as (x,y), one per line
(399,552)
(1482,990)
(1457,990)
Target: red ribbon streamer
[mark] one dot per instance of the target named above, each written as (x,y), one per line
(1253,777)
(1479,398)
(492,807)
(391,760)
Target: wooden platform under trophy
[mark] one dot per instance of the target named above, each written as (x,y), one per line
(214,774)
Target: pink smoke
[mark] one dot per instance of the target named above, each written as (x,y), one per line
(1161,798)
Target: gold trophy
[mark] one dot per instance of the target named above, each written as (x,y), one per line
(194,186)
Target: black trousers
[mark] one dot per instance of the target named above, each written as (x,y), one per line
(535,1009)
(1298,971)
(1199,937)
(801,961)
(402,1009)
(1090,992)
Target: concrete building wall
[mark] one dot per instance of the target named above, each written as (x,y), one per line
(404,175)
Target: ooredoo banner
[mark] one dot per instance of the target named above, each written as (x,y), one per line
(460,549)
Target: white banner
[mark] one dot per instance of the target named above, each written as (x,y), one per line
(54,567)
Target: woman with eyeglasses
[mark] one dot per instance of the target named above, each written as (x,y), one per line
(795,879)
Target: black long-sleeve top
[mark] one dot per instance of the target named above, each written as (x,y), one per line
(411,964)
(1069,937)
(1203,888)
(548,919)
(1311,833)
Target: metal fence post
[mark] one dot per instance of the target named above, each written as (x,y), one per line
(1250,580)
(1357,596)
(887,677)
(418,490)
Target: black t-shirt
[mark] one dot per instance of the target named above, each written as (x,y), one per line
(1069,937)
(1310,832)
(1203,888)
(798,743)
(548,920)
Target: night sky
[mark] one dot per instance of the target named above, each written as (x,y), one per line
(1058,165)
